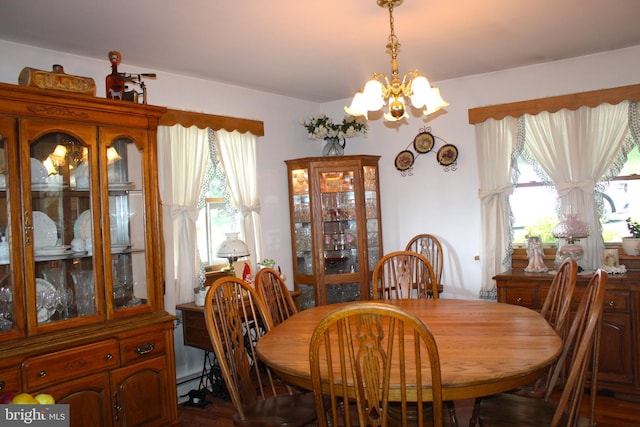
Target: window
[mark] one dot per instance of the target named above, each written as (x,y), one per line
(216,217)
(535,210)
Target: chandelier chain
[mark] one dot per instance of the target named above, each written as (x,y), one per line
(392,37)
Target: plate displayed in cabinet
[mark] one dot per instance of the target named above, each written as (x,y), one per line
(48,253)
(44,290)
(82,226)
(48,187)
(118,249)
(44,230)
(41,258)
(121,186)
(39,173)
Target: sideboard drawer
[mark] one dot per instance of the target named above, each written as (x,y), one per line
(526,297)
(10,380)
(53,368)
(616,301)
(141,347)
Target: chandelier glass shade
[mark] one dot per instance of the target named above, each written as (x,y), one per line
(381,90)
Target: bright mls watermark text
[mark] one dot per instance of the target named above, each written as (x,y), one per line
(34,415)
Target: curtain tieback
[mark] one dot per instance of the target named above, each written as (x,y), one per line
(495,192)
(564,188)
(178,210)
(246,210)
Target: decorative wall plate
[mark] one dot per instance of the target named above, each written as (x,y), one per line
(447,154)
(423,142)
(404,160)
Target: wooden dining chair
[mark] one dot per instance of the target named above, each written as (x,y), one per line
(403,274)
(579,353)
(275,294)
(236,318)
(429,246)
(356,349)
(556,309)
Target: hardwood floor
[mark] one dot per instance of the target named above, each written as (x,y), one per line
(609,413)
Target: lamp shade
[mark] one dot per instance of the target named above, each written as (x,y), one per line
(570,228)
(232,247)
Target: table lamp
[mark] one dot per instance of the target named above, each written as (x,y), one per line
(232,249)
(571,229)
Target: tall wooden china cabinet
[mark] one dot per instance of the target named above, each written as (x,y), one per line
(81,309)
(336,229)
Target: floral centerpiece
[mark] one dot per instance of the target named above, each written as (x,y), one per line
(335,134)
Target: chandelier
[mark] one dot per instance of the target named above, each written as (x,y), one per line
(379,89)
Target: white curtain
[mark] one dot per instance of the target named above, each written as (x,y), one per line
(495,142)
(183,154)
(238,154)
(575,149)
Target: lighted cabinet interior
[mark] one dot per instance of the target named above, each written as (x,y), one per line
(336,229)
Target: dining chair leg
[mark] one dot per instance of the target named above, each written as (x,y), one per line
(473,421)
(452,412)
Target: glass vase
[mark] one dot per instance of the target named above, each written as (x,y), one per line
(332,147)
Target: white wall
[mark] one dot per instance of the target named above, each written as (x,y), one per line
(431,200)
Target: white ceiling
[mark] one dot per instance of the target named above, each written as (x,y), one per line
(321,50)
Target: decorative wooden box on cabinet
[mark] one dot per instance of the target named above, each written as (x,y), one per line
(336,228)
(81,297)
(619,364)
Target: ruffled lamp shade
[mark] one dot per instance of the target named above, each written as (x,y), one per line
(570,229)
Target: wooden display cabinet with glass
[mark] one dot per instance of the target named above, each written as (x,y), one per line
(80,262)
(335,227)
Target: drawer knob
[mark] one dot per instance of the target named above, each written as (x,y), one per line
(2,385)
(519,300)
(109,356)
(146,348)
(612,303)
(42,374)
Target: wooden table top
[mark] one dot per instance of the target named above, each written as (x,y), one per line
(484,347)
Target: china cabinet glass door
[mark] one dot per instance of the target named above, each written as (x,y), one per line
(10,317)
(126,224)
(128,282)
(340,232)
(372,210)
(302,220)
(59,223)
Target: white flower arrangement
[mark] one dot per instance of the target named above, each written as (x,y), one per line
(323,127)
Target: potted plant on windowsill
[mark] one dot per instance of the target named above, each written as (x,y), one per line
(631,245)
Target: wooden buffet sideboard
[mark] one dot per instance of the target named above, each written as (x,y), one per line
(619,366)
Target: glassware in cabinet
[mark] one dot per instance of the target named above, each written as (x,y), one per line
(127,226)
(6,283)
(372,210)
(338,226)
(301,220)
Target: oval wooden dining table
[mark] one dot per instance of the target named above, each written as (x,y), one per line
(485,347)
